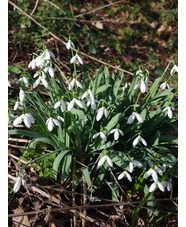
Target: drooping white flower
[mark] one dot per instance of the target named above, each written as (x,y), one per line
(155,184)
(117,132)
(87,94)
(51,122)
(9,84)
(169,111)
(92,103)
(17,105)
(17,184)
(139,139)
(151,172)
(71,104)
(60,118)
(105,158)
(47,54)
(139,72)
(100,113)
(101,134)
(125,174)
(32,64)
(167,184)
(174,69)
(41,80)
(50,70)
(26,118)
(21,95)
(143,85)
(61,103)
(69,44)
(133,116)
(73,82)
(75,59)
(164,85)
(40,73)
(159,171)
(25,80)
(134,163)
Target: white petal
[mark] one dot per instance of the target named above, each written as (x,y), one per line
(68,45)
(79,59)
(136,141)
(16,105)
(51,71)
(101,161)
(70,105)
(143,141)
(51,54)
(21,95)
(152,187)
(18,120)
(160,185)
(73,60)
(57,104)
(128,176)
(154,175)
(139,118)
(96,135)
(131,167)
(27,121)
(166,108)
(99,114)
(170,115)
(113,130)
(116,135)
(163,86)
(109,161)
(79,103)
(71,85)
(137,86)
(50,124)
(60,118)
(45,83)
(17,185)
(147,174)
(84,95)
(56,122)
(63,106)
(121,176)
(102,135)
(36,83)
(169,186)
(93,105)
(143,86)
(137,163)
(78,84)
(121,132)
(131,118)
(106,112)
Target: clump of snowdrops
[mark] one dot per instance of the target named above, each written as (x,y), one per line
(99,128)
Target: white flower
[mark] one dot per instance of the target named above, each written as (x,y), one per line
(133,116)
(25,80)
(50,70)
(168,184)
(116,132)
(26,118)
(169,111)
(32,64)
(88,93)
(92,103)
(123,174)
(75,59)
(47,54)
(100,113)
(69,44)
(17,185)
(174,69)
(158,170)
(101,134)
(105,158)
(157,183)
(71,104)
(51,122)
(40,61)
(41,80)
(17,105)
(139,72)
(164,85)
(21,95)
(61,103)
(143,85)
(73,82)
(40,73)
(60,118)
(139,139)
(133,164)
(9,84)
(151,172)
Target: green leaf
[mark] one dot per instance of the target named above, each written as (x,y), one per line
(107,75)
(14,69)
(57,162)
(66,166)
(24,133)
(87,175)
(43,140)
(113,121)
(97,82)
(102,88)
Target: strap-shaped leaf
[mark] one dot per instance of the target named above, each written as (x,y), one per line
(113,122)
(87,175)
(57,162)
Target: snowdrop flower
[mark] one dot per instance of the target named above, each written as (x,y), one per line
(92,103)
(139,139)
(167,184)
(105,158)
(71,104)
(69,44)
(100,113)
(73,82)
(9,84)
(155,184)
(164,85)
(125,174)
(17,185)
(32,64)
(117,132)
(60,118)
(151,172)
(87,94)
(159,171)
(50,70)
(75,59)
(101,134)
(174,69)
(25,80)
(169,111)
(134,163)
(17,104)
(40,73)
(26,118)
(21,95)
(51,122)
(143,84)
(133,116)
(41,80)
(61,103)
(139,72)
(47,54)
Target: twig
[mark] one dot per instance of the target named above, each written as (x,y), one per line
(113,3)
(37,1)
(62,41)
(55,6)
